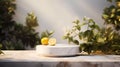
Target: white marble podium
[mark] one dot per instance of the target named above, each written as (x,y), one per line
(30,58)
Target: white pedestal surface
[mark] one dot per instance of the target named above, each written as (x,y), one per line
(58,50)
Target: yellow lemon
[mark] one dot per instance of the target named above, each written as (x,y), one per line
(44,41)
(52,41)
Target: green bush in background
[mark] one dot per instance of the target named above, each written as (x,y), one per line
(14,35)
(111,14)
(94,38)
(0,49)
(105,40)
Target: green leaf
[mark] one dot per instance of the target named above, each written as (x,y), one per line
(113,10)
(0,46)
(78,27)
(88,33)
(76,22)
(81,35)
(112,15)
(109,0)
(87,47)
(76,42)
(70,39)
(47,34)
(105,16)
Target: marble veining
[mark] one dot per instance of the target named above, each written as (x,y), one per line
(31,59)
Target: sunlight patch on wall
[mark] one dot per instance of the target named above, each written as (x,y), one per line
(58,14)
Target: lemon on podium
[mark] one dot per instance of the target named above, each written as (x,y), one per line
(52,41)
(44,41)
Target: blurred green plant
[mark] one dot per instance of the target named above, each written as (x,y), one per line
(111,14)
(110,44)
(46,34)
(0,49)
(89,36)
(14,35)
(113,0)
(94,38)
(31,20)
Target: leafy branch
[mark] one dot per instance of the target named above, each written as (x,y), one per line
(94,38)
(111,14)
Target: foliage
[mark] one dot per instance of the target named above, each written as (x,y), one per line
(0,49)
(89,36)
(111,40)
(105,40)
(94,38)
(31,20)
(113,0)
(47,34)
(111,14)
(14,35)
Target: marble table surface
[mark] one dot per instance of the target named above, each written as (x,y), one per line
(31,55)
(29,58)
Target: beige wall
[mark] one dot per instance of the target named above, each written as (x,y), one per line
(58,15)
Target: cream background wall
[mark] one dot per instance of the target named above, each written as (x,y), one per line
(58,15)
